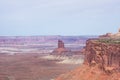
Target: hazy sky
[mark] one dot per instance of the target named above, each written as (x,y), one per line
(59,17)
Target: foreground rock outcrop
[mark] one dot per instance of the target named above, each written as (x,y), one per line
(102,61)
(88,73)
(104,52)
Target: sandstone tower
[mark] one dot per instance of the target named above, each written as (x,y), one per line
(119,30)
(60,44)
(60,49)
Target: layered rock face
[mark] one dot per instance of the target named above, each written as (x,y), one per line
(107,55)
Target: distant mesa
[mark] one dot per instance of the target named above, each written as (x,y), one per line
(111,35)
(61,48)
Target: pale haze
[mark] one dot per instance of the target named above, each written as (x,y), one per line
(58,17)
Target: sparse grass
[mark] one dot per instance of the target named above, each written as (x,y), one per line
(110,40)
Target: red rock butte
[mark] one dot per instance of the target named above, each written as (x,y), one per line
(61,48)
(60,44)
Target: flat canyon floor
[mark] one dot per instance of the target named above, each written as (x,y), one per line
(31,67)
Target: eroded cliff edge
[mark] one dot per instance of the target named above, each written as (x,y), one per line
(102,61)
(103,52)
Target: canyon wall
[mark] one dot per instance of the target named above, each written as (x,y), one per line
(106,54)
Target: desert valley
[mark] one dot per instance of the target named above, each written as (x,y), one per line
(60,57)
(39,57)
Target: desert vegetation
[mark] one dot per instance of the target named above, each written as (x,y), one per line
(109,40)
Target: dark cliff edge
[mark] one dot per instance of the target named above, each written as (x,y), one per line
(102,61)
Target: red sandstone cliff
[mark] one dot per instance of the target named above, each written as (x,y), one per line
(102,62)
(106,54)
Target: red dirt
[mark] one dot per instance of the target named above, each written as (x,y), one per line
(30,67)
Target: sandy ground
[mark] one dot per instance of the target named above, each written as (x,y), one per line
(74,59)
(31,67)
